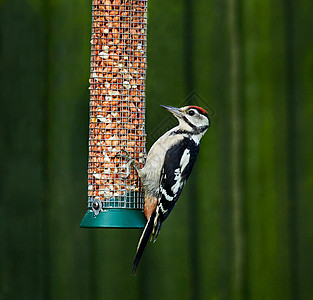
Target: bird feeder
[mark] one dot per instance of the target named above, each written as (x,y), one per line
(117,113)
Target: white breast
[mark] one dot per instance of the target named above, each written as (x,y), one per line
(151,172)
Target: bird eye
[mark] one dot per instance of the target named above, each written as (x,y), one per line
(191,112)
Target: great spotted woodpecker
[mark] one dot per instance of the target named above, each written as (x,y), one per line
(168,166)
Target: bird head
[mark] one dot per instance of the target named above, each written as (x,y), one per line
(191,118)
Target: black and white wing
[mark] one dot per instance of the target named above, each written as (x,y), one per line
(178,163)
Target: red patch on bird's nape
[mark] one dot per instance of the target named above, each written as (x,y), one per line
(200,109)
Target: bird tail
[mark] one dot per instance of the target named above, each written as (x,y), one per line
(143,242)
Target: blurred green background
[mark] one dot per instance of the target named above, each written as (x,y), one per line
(243,228)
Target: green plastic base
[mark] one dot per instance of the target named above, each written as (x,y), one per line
(114,218)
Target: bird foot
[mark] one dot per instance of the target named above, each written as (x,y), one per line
(130,162)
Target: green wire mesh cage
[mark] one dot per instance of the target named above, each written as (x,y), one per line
(117,113)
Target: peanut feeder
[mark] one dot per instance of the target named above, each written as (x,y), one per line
(117,113)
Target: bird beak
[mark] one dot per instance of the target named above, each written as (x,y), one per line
(177,112)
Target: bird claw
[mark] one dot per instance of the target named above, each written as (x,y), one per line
(127,156)
(130,161)
(127,167)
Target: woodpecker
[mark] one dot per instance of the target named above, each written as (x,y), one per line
(168,165)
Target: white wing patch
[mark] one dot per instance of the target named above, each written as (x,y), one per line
(183,163)
(164,193)
(162,209)
(185,159)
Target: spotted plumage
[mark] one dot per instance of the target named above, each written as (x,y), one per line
(173,178)
(167,168)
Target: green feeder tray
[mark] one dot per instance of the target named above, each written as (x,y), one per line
(114,218)
(110,214)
